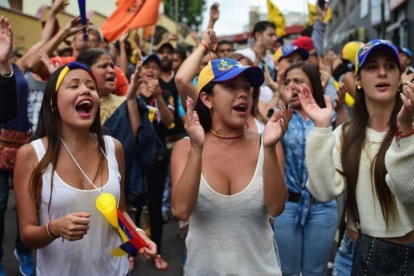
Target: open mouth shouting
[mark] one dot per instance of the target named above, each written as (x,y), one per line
(84,107)
(110,79)
(240,109)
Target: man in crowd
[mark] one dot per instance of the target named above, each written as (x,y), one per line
(264,35)
(94,39)
(224,49)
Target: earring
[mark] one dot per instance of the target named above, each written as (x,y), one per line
(359,86)
(210,107)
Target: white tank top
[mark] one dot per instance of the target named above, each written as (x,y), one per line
(231,235)
(90,255)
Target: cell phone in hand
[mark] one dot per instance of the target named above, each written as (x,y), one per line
(321,3)
(410,70)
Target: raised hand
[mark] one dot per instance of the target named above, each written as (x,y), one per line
(172,37)
(193,127)
(340,98)
(209,38)
(124,36)
(74,26)
(47,62)
(136,39)
(58,6)
(321,117)
(269,81)
(194,35)
(407,75)
(6,40)
(276,126)
(214,12)
(71,227)
(406,114)
(135,83)
(154,88)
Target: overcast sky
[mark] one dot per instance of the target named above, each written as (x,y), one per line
(234,14)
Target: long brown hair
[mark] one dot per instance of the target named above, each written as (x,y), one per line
(353,141)
(50,127)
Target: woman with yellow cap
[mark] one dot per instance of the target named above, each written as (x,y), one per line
(225,178)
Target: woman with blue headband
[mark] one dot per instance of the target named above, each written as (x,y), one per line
(59,176)
(370,157)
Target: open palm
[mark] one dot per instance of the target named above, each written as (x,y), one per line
(6,39)
(276,126)
(193,127)
(322,117)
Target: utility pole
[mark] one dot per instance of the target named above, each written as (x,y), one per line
(382,27)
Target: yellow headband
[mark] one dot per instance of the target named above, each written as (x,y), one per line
(62,75)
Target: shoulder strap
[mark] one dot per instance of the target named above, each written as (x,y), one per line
(39,148)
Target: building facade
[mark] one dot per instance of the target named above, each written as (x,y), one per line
(365,20)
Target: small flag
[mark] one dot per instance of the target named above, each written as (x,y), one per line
(277,18)
(313,14)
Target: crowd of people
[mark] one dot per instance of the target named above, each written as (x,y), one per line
(263,155)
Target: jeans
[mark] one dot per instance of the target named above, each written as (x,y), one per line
(306,248)
(4,197)
(344,257)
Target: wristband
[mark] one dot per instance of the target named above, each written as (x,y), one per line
(8,76)
(206,48)
(49,233)
(399,136)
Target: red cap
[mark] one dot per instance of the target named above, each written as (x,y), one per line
(304,42)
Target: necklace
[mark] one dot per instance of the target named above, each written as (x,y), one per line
(226,137)
(77,164)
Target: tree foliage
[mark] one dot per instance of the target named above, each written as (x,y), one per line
(189,11)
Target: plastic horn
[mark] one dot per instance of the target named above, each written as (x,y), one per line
(82,10)
(106,204)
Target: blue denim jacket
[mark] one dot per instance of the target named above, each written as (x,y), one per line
(296,172)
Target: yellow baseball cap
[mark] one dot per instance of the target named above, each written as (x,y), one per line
(225,69)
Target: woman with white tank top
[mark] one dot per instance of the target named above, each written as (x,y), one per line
(226,178)
(59,176)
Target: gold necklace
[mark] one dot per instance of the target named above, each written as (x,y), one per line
(226,137)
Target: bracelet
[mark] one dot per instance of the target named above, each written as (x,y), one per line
(399,135)
(8,76)
(206,48)
(49,233)
(139,230)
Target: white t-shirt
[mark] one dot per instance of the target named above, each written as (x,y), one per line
(248,52)
(266,94)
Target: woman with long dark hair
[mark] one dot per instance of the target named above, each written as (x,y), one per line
(59,176)
(370,157)
(305,231)
(227,178)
